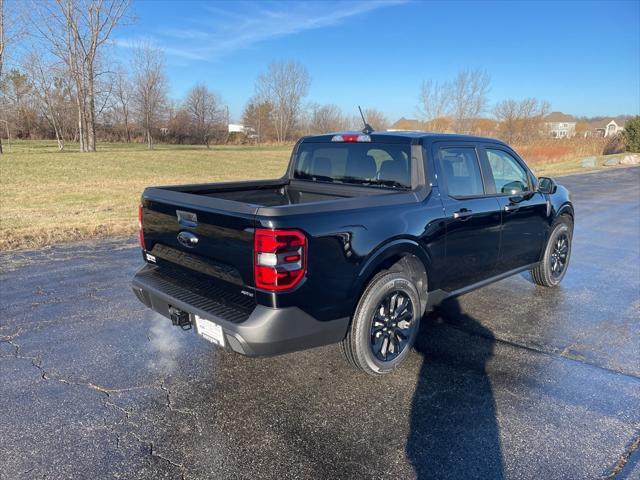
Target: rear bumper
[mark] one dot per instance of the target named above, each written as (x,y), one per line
(267,331)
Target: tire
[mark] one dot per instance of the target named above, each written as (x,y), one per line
(396,320)
(548,273)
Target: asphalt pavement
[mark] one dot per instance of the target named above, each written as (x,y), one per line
(511,381)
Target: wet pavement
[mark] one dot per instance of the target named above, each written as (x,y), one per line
(511,381)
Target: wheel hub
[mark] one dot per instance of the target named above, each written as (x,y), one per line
(559,255)
(391,326)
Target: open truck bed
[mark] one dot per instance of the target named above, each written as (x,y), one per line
(274,193)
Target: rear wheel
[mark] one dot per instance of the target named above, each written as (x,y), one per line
(385,324)
(554,264)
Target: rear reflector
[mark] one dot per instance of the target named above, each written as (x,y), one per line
(348,137)
(279,258)
(140,232)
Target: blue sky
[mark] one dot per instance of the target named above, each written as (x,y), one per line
(583,57)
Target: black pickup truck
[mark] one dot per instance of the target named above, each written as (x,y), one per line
(363,234)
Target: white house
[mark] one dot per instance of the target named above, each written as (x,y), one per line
(560,125)
(608,129)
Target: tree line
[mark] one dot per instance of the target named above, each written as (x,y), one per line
(460,106)
(64,84)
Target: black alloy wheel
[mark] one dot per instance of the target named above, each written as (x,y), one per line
(558,257)
(391,326)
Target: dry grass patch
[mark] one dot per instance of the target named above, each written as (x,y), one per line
(48,197)
(550,151)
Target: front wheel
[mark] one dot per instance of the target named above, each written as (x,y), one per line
(385,324)
(552,269)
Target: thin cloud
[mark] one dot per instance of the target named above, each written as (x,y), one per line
(135,42)
(221,32)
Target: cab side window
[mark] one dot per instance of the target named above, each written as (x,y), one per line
(461,170)
(509,176)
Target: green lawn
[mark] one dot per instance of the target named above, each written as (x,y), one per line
(48,196)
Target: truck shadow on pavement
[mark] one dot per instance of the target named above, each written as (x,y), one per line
(453,425)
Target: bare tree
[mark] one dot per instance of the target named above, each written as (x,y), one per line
(206,112)
(178,122)
(76,31)
(258,119)
(122,92)
(469,92)
(435,104)
(150,87)
(284,85)
(17,101)
(521,120)
(507,112)
(2,46)
(2,39)
(533,111)
(374,117)
(50,88)
(326,118)
(10,33)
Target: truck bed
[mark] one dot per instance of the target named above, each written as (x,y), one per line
(276,193)
(274,196)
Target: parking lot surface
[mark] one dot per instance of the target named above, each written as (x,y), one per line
(510,381)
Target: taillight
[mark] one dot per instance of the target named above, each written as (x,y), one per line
(280,258)
(140,232)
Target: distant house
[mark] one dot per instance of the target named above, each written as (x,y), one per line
(605,128)
(406,124)
(560,125)
(249,132)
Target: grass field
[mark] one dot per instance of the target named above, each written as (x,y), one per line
(48,197)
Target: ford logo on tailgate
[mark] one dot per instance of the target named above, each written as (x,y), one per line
(187,239)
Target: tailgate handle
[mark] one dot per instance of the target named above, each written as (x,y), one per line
(187,219)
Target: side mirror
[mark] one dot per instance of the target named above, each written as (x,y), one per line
(514,187)
(547,185)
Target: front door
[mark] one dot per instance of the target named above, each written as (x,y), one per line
(473,219)
(524,210)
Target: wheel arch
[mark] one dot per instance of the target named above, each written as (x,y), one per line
(566,209)
(398,255)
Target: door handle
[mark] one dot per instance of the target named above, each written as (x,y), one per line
(511,208)
(462,214)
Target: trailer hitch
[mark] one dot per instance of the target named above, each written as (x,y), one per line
(180,318)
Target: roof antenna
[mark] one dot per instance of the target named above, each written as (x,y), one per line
(367,128)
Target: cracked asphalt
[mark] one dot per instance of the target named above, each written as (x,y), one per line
(511,381)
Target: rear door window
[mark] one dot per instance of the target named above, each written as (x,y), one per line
(461,171)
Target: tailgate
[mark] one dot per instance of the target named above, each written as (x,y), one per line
(203,239)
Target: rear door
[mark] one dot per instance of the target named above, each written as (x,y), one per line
(524,209)
(472,218)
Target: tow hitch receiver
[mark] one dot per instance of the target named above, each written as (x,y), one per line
(180,318)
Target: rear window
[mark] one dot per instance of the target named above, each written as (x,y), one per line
(371,164)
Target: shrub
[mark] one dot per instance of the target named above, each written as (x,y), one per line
(631,134)
(553,150)
(616,144)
